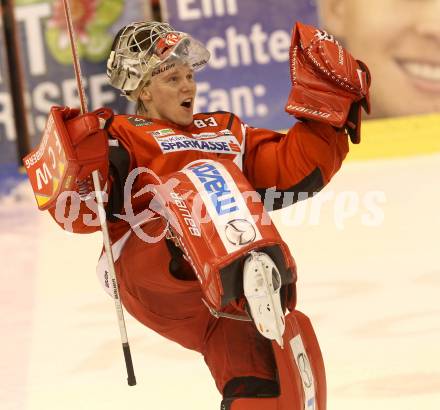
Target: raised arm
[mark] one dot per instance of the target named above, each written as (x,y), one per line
(329,88)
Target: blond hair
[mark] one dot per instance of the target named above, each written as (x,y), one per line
(140,108)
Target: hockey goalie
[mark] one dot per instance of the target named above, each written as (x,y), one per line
(197,256)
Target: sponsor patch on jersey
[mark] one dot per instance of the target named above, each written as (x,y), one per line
(162,133)
(139,122)
(215,142)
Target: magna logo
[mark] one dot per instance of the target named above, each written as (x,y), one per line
(225,205)
(215,185)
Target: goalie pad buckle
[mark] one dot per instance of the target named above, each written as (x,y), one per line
(262,284)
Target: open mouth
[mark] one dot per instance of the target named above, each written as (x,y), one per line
(187,103)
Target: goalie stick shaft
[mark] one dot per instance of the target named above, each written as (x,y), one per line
(75,58)
(131,379)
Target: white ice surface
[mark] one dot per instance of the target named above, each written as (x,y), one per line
(372,294)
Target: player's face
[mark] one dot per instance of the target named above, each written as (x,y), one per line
(170,95)
(400,42)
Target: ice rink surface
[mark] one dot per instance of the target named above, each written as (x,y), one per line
(370,282)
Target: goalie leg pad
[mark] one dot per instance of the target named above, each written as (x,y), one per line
(301,372)
(217,221)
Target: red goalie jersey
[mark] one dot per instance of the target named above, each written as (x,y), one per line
(303,160)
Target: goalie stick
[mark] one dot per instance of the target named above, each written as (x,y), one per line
(131,379)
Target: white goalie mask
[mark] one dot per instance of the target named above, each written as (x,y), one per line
(144,49)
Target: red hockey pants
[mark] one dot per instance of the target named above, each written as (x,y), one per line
(174,309)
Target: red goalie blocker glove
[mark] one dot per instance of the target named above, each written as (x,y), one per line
(72,147)
(328,84)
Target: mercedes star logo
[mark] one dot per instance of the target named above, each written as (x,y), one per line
(240,232)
